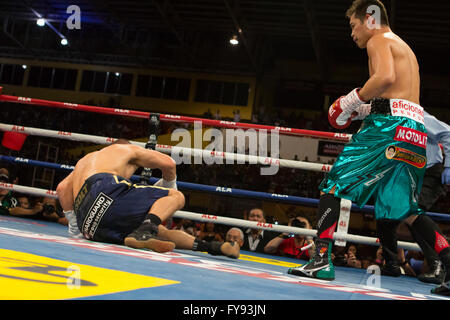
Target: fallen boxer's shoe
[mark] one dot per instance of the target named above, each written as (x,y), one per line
(145,237)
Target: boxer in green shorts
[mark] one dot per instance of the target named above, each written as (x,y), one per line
(386,158)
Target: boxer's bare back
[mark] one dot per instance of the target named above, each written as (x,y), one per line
(122,160)
(393,67)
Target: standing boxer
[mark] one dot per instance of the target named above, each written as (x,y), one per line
(386,158)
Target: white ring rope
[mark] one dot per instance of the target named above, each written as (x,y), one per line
(232,221)
(210,154)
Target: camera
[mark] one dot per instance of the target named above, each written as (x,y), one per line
(48,208)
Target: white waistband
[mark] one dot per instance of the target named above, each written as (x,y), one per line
(408,109)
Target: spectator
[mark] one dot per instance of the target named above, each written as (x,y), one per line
(290,245)
(23,201)
(7,201)
(338,256)
(236,115)
(23,207)
(51,211)
(351,257)
(208,232)
(256,239)
(235,234)
(207,114)
(366,253)
(405,267)
(190,227)
(417,262)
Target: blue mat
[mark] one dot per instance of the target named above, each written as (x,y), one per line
(39,261)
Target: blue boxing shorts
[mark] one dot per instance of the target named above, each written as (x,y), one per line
(386,160)
(109,207)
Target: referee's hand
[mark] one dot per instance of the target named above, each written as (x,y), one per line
(446,176)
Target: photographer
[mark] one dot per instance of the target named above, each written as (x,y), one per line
(51,211)
(290,245)
(46,209)
(22,207)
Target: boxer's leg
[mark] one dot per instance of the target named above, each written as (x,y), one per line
(387,233)
(165,207)
(146,236)
(321,266)
(436,273)
(186,241)
(430,232)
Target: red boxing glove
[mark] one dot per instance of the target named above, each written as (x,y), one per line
(340,112)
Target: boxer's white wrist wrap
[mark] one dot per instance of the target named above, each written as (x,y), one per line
(348,104)
(73,227)
(167,184)
(363,111)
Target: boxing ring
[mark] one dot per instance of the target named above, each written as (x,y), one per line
(39,261)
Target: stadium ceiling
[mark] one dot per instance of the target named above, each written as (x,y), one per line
(194,34)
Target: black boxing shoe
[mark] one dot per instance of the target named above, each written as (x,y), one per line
(320,266)
(436,275)
(391,269)
(443,289)
(145,237)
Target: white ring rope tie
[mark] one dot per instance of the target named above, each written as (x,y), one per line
(210,154)
(231,221)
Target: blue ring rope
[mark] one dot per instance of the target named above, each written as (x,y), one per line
(217,189)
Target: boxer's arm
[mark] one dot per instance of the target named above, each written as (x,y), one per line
(64,190)
(156,160)
(19,211)
(382,66)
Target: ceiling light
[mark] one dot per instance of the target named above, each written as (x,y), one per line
(40,22)
(24,66)
(234,41)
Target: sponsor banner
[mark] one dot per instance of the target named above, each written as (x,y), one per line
(400,154)
(405,108)
(329,148)
(95,215)
(411,136)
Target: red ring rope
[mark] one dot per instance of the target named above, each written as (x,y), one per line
(175,118)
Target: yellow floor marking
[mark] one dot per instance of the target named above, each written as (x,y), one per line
(25,276)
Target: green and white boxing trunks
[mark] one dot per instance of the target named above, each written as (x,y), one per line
(386,160)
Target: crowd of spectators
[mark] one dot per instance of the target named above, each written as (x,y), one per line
(298,247)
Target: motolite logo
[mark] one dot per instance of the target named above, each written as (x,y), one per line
(412,136)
